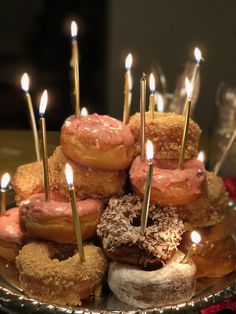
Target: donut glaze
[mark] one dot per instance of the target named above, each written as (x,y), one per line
(170,185)
(97,141)
(172,284)
(165,131)
(121,238)
(11,237)
(55,274)
(53,220)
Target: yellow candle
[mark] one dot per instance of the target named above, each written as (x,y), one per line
(75,65)
(127,89)
(71,190)
(151,97)
(142,115)
(42,108)
(196,238)
(147,187)
(188,87)
(25,87)
(4,183)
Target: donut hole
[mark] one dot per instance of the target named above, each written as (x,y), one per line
(152,266)
(136,222)
(62,252)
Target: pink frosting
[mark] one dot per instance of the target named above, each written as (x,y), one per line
(36,208)
(98,130)
(9,226)
(166,172)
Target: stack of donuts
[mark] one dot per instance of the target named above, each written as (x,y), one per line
(145,270)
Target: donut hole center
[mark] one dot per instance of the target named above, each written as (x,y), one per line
(152,266)
(62,253)
(136,222)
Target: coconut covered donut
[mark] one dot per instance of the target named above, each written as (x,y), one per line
(119,230)
(55,274)
(98,141)
(165,131)
(208,209)
(170,185)
(172,284)
(88,182)
(53,220)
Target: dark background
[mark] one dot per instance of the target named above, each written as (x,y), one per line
(35,37)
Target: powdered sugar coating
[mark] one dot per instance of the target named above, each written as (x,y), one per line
(160,238)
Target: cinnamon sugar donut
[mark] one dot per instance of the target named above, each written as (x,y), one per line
(172,284)
(165,131)
(88,182)
(11,237)
(53,220)
(208,209)
(170,185)
(119,230)
(98,141)
(55,274)
(28,180)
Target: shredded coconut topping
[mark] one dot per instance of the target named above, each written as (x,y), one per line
(161,237)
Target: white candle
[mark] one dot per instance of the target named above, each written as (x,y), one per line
(127,89)
(4,183)
(151,97)
(75,65)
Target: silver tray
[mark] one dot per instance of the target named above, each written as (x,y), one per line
(209,291)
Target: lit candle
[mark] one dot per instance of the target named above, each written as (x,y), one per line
(198,58)
(75,65)
(25,87)
(42,108)
(189,89)
(159,100)
(224,155)
(201,156)
(84,112)
(142,115)
(151,97)
(71,190)
(196,238)
(4,183)
(147,187)
(127,88)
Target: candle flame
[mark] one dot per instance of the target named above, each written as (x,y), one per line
(188,88)
(69,174)
(197,54)
(195,236)
(160,102)
(152,82)
(201,156)
(5,180)
(128,61)
(84,112)
(25,82)
(74,29)
(149,150)
(43,103)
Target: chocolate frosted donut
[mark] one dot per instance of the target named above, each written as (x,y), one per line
(165,131)
(119,229)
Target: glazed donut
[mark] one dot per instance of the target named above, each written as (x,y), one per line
(172,284)
(119,230)
(215,257)
(28,180)
(88,182)
(53,220)
(11,238)
(170,185)
(98,142)
(165,131)
(208,209)
(54,274)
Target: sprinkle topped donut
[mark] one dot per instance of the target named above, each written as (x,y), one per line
(119,229)
(98,141)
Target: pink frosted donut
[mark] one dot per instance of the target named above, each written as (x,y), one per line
(53,220)
(170,185)
(11,237)
(98,142)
